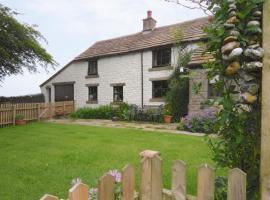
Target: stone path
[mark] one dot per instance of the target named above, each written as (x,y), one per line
(170,128)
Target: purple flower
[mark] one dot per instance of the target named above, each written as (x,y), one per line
(116,174)
(93,191)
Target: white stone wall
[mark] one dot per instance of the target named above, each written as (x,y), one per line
(125,68)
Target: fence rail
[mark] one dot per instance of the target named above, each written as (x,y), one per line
(151,185)
(33,111)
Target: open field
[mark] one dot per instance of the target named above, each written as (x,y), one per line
(43,157)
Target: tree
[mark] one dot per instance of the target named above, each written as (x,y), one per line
(19,46)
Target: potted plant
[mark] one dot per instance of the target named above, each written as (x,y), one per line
(19,120)
(167,114)
(59,112)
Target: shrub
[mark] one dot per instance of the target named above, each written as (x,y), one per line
(19,117)
(200,122)
(102,112)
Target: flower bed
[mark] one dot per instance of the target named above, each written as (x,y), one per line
(203,122)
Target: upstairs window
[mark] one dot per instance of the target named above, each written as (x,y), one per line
(118,93)
(162,57)
(92,67)
(159,88)
(92,93)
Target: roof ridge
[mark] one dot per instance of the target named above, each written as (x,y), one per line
(165,26)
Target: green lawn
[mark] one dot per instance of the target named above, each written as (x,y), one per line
(43,158)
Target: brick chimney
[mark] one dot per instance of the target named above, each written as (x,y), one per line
(149,23)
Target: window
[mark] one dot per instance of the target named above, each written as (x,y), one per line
(92,93)
(159,88)
(118,93)
(92,67)
(161,57)
(212,92)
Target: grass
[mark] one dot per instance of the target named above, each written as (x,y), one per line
(43,158)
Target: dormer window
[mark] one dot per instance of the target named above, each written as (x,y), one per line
(162,57)
(92,67)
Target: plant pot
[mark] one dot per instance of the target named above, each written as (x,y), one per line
(168,119)
(59,113)
(20,122)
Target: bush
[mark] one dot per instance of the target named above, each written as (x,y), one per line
(177,96)
(102,112)
(146,114)
(203,122)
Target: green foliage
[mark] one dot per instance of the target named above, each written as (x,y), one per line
(178,93)
(19,46)
(19,117)
(239,130)
(101,112)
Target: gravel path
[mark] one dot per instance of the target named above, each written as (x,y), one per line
(170,128)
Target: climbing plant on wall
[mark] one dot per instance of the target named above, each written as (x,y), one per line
(235,34)
(236,37)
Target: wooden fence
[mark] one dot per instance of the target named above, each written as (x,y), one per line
(32,111)
(151,185)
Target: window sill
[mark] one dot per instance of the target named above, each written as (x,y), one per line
(92,102)
(116,102)
(160,68)
(161,99)
(92,76)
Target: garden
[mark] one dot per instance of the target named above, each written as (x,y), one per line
(47,157)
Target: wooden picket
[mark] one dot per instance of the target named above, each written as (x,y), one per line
(32,111)
(179,180)
(151,187)
(128,181)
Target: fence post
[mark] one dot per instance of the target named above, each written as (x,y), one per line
(265,125)
(127,177)
(236,185)
(206,183)
(38,111)
(79,192)
(64,107)
(13,115)
(151,184)
(106,187)
(179,180)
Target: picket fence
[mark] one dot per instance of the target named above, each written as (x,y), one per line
(151,185)
(32,111)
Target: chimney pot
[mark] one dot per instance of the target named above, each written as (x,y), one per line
(149,14)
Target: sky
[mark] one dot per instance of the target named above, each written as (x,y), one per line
(71,26)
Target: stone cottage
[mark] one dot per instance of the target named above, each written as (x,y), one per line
(132,68)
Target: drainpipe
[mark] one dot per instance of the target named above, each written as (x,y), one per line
(142,78)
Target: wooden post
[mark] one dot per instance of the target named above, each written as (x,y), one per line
(49,197)
(106,187)
(236,185)
(64,107)
(151,176)
(38,111)
(265,125)
(78,192)
(179,180)
(206,183)
(128,181)
(13,115)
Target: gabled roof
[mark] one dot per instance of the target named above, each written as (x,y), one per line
(191,31)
